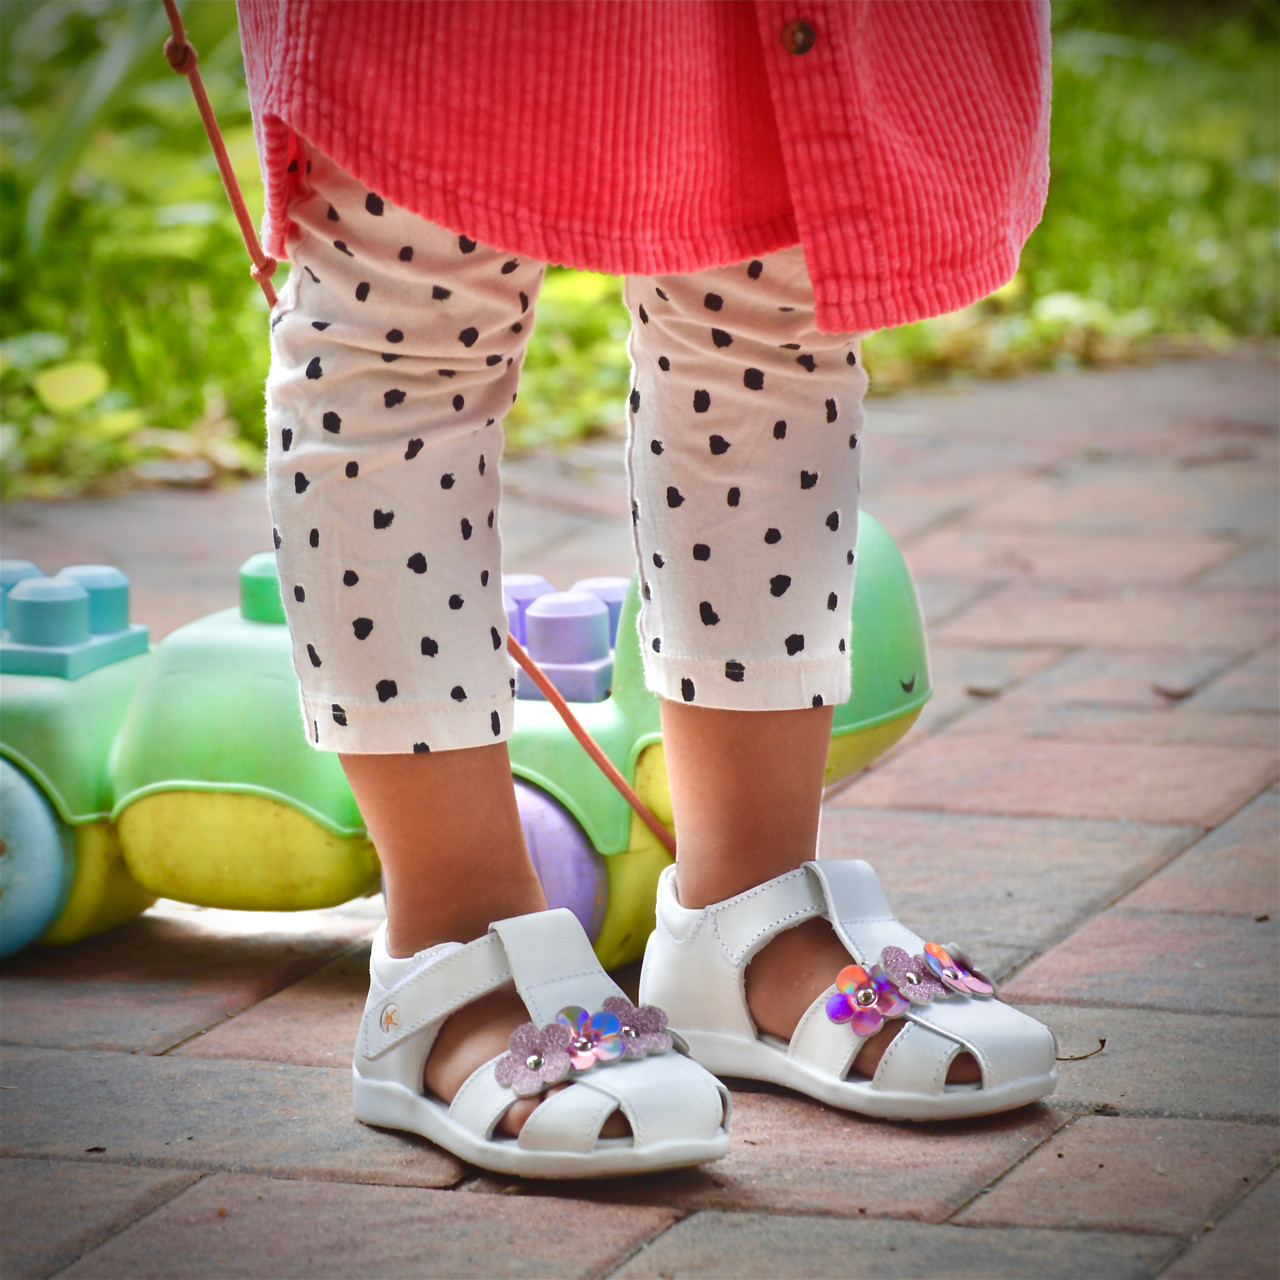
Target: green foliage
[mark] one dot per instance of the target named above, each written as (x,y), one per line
(1163,204)
(133,343)
(576,370)
(118,251)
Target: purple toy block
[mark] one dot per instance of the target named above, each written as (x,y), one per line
(523,589)
(569,639)
(571,871)
(612,591)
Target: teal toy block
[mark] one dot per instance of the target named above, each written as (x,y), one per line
(11,573)
(68,625)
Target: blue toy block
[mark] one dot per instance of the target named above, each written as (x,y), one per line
(67,625)
(11,573)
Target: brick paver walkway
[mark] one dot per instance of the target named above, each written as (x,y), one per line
(1090,803)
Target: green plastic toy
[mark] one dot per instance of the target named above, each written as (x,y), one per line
(192,768)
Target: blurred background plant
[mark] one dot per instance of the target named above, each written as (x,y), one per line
(133,345)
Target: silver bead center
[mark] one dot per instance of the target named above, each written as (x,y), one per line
(533,1062)
(864,996)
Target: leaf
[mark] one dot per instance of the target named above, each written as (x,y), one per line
(117,423)
(69,386)
(31,350)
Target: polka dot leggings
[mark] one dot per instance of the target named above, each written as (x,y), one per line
(396,351)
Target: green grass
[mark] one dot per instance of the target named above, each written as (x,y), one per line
(133,345)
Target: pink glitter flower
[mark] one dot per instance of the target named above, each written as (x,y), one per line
(643,1027)
(911,975)
(537,1059)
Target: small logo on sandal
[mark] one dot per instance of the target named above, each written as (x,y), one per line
(390,1018)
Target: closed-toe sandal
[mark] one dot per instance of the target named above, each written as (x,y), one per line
(695,964)
(583,1032)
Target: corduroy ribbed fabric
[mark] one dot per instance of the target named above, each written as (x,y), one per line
(906,150)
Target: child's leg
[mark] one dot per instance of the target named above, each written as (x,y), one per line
(397,348)
(745,466)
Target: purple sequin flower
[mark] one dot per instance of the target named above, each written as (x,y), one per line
(954,970)
(911,975)
(537,1059)
(644,1027)
(864,1000)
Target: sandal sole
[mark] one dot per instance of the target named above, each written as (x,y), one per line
(388,1105)
(727,1055)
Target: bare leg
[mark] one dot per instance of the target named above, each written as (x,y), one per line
(447,830)
(746,789)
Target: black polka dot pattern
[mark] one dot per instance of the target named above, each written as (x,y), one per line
(412,513)
(777,603)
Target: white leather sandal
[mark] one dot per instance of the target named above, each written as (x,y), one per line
(695,963)
(584,1032)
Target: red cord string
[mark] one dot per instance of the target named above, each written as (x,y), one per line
(589,744)
(182,58)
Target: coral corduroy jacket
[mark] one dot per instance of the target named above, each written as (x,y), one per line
(906,148)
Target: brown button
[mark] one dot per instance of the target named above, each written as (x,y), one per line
(798,37)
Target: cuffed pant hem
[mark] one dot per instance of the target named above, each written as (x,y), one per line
(768,685)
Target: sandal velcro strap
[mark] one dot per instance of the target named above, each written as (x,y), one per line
(436,991)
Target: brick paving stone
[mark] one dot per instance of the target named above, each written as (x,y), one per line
(1174,725)
(589,479)
(1256,569)
(1232,871)
(1135,679)
(243,1226)
(1016,882)
(1165,1177)
(55,1210)
(1215,1066)
(999,774)
(965,678)
(1052,558)
(180,549)
(1252,686)
(1195,618)
(752,1246)
(1185,963)
(1242,1245)
(1137,412)
(1231,500)
(165,976)
(240,1117)
(793,1155)
(312,1023)
(943,598)
(600,550)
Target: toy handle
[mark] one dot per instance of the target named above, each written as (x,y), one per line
(181,55)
